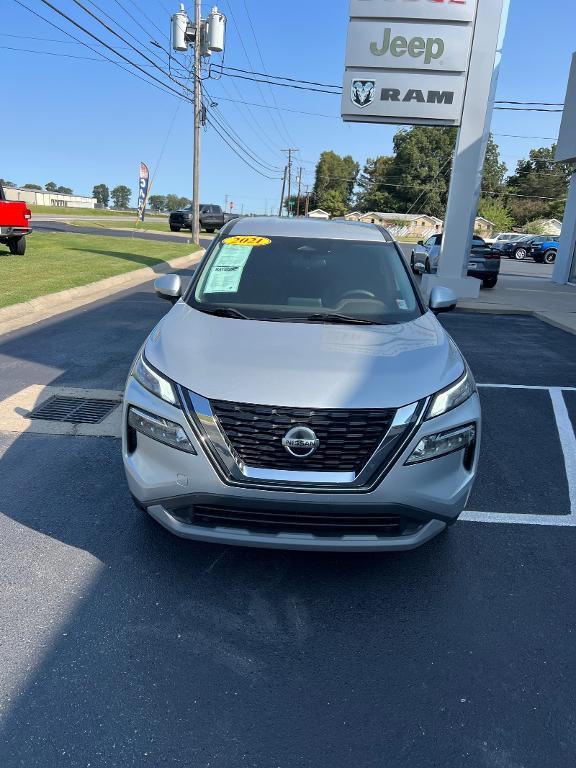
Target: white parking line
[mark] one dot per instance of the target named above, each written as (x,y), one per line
(568,444)
(524,386)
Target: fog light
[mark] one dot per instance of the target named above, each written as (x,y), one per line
(442,443)
(160,429)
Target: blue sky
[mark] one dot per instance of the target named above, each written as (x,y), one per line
(80,122)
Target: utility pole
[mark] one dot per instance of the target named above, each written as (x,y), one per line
(225,203)
(289,151)
(307,203)
(207,37)
(299,190)
(197,118)
(283,188)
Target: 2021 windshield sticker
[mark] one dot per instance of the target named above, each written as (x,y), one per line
(247,240)
(226,272)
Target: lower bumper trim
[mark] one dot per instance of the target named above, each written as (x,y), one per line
(297,541)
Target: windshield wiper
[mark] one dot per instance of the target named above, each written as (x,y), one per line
(329,317)
(224,312)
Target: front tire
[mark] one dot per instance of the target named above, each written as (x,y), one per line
(210,230)
(550,257)
(174,228)
(520,254)
(17,245)
(489,282)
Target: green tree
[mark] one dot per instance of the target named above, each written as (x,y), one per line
(65,190)
(184,202)
(374,190)
(121,196)
(6,183)
(334,174)
(32,186)
(51,186)
(157,202)
(497,213)
(102,194)
(172,202)
(494,169)
(539,186)
(333,203)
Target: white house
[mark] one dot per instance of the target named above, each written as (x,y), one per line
(420,224)
(483,227)
(550,226)
(41,197)
(318,213)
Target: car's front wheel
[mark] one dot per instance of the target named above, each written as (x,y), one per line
(520,254)
(174,228)
(489,282)
(17,245)
(210,230)
(550,257)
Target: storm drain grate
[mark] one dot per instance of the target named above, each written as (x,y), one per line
(77,410)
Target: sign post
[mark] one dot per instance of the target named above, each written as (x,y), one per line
(431,62)
(565,265)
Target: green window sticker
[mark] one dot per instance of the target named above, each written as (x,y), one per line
(227,269)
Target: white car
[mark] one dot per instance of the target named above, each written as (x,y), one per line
(503,237)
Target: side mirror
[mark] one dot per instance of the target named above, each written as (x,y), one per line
(442,299)
(419,267)
(168,287)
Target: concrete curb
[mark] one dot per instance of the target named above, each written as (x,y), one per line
(34,311)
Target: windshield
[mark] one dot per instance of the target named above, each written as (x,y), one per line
(306,279)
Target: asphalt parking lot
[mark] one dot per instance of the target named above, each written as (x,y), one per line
(123,645)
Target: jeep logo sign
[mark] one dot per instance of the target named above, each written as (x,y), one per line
(417,47)
(417,54)
(408,46)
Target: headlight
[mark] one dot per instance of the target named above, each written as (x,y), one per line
(442,443)
(452,396)
(159,428)
(153,381)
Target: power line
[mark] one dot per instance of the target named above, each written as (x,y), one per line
(43,39)
(163,87)
(120,37)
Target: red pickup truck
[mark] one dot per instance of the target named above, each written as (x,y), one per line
(14,224)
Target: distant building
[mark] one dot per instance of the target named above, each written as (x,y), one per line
(41,197)
(483,227)
(318,213)
(549,226)
(402,224)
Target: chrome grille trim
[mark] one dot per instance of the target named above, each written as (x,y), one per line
(234,472)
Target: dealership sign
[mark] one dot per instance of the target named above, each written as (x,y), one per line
(407,60)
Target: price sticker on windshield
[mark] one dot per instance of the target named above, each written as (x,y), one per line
(247,240)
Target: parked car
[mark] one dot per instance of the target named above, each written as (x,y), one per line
(300,395)
(543,249)
(483,262)
(14,224)
(212,217)
(517,249)
(503,237)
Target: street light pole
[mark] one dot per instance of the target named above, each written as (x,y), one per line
(197,118)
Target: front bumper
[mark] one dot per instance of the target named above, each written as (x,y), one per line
(172,484)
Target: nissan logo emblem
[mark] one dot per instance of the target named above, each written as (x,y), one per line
(300,442)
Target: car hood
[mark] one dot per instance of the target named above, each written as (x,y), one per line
(304,365)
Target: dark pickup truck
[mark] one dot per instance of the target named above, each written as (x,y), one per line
(14,224)
(212,217)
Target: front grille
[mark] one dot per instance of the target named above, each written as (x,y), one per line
(348,438)
(315,523)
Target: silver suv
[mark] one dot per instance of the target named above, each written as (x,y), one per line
(300,395)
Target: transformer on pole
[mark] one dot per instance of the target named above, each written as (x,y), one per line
(207,37)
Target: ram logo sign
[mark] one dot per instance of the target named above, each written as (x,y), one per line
(416,53)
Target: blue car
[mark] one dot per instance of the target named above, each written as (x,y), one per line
(543,249)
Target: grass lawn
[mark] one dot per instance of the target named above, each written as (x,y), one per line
(65,210)
(55,262)
(160,225)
